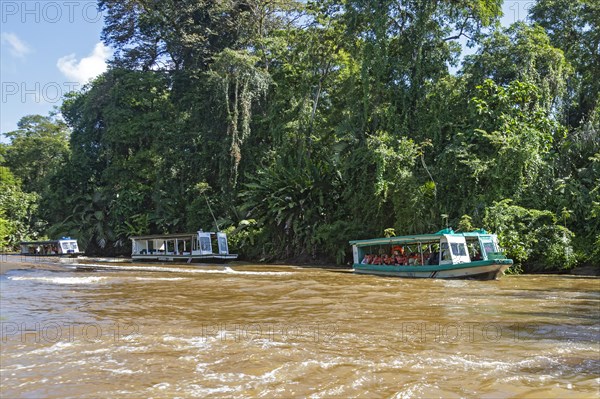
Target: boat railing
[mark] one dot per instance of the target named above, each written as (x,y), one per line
(161,252)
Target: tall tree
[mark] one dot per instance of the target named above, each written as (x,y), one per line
(574,27)
(37,149)
(18,212)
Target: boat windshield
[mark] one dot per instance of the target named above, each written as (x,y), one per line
(488,245)
(205,243)
(458,249)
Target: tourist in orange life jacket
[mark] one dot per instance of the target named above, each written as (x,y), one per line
(376,260)
(398,248)
(417,258)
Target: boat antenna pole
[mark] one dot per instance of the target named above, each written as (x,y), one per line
(211,212)
(444,217)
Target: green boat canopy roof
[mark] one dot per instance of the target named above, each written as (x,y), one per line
(417,238)
(164,236)
(398,240)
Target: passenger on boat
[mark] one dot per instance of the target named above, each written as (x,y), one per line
(423,260)
(418,260)
(385,259)
(414,259)
(434,258)
(398,260)
(398,248)
(367,259)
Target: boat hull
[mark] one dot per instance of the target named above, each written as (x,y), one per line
(478,270)
(185,258)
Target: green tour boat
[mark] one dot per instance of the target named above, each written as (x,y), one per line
(445,254)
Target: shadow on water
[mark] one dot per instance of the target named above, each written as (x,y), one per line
(572,333)
(562,315)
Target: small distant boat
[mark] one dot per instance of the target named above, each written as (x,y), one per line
(445,254)
(61,247)
(189,247)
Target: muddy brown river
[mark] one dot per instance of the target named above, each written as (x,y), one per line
(180,331)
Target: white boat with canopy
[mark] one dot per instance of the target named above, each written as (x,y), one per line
(189,247)
(61,247)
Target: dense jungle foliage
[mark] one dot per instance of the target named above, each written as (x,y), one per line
(303,125)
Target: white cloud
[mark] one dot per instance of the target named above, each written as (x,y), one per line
(87,68)
(17,47)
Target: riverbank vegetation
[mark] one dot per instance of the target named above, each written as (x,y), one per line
(302,125)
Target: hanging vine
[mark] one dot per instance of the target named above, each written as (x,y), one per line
(241,83)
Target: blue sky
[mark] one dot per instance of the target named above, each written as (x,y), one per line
(48,48)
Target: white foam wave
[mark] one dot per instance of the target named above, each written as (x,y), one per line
(57,347)
(332,392)
(416,390)
(160,278)
(133,337)
(60,280)
(16,367)
(319,363)
(198,270)
(200,391)
(123,371)
(486,366)
(455,283)
(359,382)
(96,351)
(266,343)
(200,342)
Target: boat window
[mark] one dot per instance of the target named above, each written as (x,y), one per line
(223,245)
(187,245)
(458,249)
(170,246)
(205,244)
(445,252)
(489,247)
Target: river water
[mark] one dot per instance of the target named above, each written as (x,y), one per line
(282,331)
